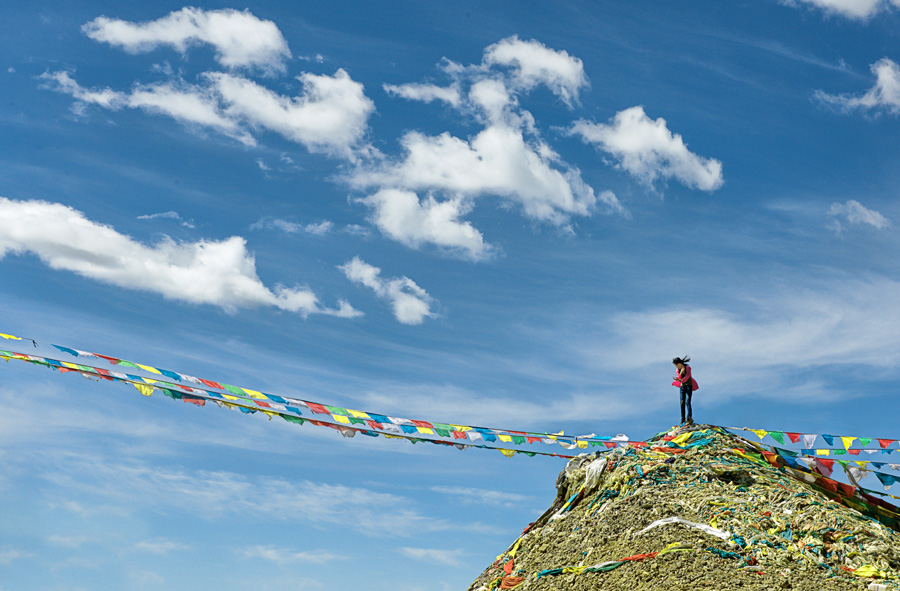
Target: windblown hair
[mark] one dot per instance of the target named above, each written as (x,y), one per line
(682,360)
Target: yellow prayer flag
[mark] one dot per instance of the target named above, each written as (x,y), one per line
(10,337)
(425,430)
(149,381)
(582,444)
(148,368)
(508,452)
(143,389)
(867,570)
(461,428)
(848,441)
(358,414)
(70,365)
(389,436)
(505,438)
(761,433)
(861,464)
(823,452)
(341,419)
(228,397)
(255,394)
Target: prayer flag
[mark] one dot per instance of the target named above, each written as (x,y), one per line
(143,389)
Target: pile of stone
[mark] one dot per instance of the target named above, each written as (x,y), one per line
(699,508)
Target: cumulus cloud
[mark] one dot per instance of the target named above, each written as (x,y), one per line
(883,96)
(855,9)
(411,303)
(282,556)
(854,212)
(220,273)
(448,557)
(240,39)
(649,151)
(329,116)
(533,63)
(421,196)
(402,216)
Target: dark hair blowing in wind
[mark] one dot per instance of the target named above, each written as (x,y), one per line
(681,360)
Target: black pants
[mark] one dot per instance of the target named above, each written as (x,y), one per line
(686,392)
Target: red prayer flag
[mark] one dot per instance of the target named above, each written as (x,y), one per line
(609,444)
(422,424)
(374,424)
(532,439)
(847,489)
(317,408)
(854,452)
(884,443)
(261,403)
(211,384)
(794,437)
(459,434)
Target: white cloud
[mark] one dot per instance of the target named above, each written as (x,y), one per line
(857,9)
(842,324)
(284,556)
(240,39)
(329,116)
(534,63)
(421,196)
(159,546)
(425,93)
(448,557)
(856,213)
(221,273)
(171,215)
(648,150)
(9,554)
(482,496)
(402,216)
(411,303)
(67,541)
(218,493)
(316,228)
(885,95)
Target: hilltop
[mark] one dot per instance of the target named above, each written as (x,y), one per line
(700,508)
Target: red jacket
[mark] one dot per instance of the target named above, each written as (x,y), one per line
(687,376)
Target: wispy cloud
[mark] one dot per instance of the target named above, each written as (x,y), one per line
(221,273)
(411,303)
(8,554)
(217,493)
(170,215)
(447,557)
(854,212)
(482,496)
(315,228)
(159,546)
(884,96)
(853,9)
(282,556)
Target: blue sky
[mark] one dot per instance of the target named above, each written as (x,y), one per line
(511,215)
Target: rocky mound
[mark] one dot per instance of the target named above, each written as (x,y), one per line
(700,508)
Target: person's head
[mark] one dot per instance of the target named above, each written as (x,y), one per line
(680,361)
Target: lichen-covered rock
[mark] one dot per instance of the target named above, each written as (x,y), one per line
(707,512)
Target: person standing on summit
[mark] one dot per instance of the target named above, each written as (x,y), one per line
(687,385)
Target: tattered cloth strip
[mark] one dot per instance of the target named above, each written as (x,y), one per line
(247,404)
(381,422)
(612,564)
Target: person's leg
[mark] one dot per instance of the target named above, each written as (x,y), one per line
(682,393)
(689,394)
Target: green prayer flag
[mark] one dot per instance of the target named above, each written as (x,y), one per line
(864,441)
(234,390)
(777,436)
(337,410)
(518,439)
(442,432)
(124,363)
(292,419)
